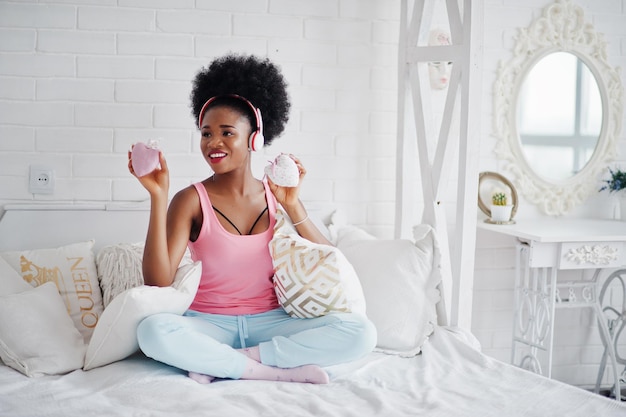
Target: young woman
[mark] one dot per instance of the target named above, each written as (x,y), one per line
(235,327)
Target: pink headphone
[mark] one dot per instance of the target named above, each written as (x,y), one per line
(256,140)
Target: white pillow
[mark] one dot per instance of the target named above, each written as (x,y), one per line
(120,268)
(399,281)
(311,279)
(73,269)
(37,336)
(10,281)
(115,337)
(340,230)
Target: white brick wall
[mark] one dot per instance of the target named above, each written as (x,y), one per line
(80,81)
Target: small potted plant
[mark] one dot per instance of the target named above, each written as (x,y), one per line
(615,184)
(500,210)
(617,181)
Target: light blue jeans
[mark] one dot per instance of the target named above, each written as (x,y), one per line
(205,343)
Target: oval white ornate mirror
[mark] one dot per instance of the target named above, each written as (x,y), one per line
(557,109)
(559,116)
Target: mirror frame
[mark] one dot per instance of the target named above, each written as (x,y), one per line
(560,28)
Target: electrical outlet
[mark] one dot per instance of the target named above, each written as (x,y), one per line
(41,180)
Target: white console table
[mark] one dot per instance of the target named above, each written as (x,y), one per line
(547,246)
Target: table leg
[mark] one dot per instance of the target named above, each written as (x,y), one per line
(535,293)
(611,321)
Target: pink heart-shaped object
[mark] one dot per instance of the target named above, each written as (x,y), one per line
(283,171)
(145,158)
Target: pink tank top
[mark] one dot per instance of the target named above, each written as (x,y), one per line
(237,270)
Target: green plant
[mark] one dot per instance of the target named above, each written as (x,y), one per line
(616,182)
(498,199)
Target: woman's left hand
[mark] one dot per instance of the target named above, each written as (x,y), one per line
(288,196)
(289,199)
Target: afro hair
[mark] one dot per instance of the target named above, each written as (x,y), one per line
(257,80)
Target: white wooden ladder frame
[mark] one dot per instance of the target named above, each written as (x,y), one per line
(462,106)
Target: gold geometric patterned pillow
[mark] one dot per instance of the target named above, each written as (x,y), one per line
(311,279)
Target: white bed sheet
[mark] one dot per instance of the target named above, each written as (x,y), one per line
(450,378)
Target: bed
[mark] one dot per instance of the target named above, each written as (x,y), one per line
(421,366)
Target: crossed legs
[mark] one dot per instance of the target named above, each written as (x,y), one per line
(282,348)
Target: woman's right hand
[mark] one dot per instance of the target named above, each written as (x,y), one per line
(157,182)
